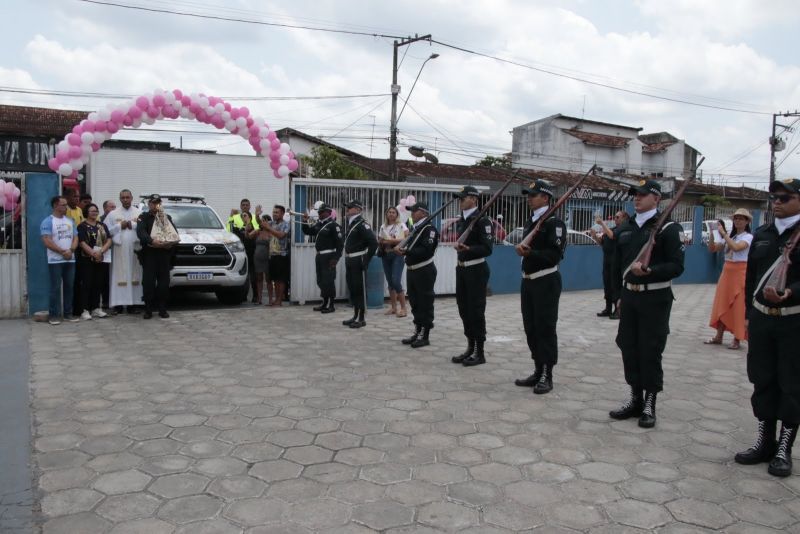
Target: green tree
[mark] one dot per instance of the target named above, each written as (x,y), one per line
(326,162)
(714,200)
(493,161)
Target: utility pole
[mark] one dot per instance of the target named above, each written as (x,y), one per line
(776,144)
(395,92)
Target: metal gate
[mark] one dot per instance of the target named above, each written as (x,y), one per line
(13,298)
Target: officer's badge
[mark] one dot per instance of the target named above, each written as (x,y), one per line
(787,180)
(367,226)
(488,228)
(559,232)
(642,182)
(558,242)
(433,234)
(339,234)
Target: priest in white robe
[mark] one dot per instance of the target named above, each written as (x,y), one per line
(126,271)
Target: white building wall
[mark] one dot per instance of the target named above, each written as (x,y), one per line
(670,162)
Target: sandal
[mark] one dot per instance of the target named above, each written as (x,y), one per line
(734,346)
(402,313)
(713,341)
(390,311)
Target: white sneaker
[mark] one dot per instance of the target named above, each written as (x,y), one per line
(54,322)
(72,319)
(86,316)
(99,313)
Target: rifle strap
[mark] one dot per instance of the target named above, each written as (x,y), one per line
(625,273)
(763,280)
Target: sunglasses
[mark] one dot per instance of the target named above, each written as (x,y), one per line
(783,198)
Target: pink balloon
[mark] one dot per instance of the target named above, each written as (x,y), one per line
(178,94)
(74,139)
(113,127)
(235,113)
(194,108)
(62,156)
(274,155)
(88,126)
(53,164)
(142,103)
(95,147)
(202,116)
(290,154)
(117,116)
(218,122)
(186,100)
(127,121)
(100,126)
(228,107)
(159,101)
(274,165)
(135,112)
(9,204)
(250,122)
(272,135)
(254,130)
(244,112)
(293,164)
(277,175)
(213,101)
(77,129)
(402,203)
(275,144)
(17,193)
(410,200)
(75,152)
(152,111)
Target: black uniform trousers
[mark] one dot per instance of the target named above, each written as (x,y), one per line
(326,276)
(92,276)
(356,281)
(773,366)
(539,299)
(642,336)
(421,295)
(471,299)
(608,280)
(155,277)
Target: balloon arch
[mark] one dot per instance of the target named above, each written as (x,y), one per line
(74,151)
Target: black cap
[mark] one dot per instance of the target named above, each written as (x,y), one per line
(154,198)
(646,187)
(792,185)
(538,186)
(354,204)
(467,191)
(324,207)
(420,206)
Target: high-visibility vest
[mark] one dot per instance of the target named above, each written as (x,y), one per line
(235,221)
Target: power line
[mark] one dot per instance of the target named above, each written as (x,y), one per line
(117,96)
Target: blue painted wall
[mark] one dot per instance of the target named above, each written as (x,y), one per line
(39,188)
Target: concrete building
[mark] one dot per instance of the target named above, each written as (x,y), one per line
(571,144)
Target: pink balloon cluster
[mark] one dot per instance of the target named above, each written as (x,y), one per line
(73,152)
(403,205)
(9,195)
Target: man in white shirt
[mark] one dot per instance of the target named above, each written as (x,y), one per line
(126,271)
(60,237)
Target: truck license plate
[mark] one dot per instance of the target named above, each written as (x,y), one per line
(200,276)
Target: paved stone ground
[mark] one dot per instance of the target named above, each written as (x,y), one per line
(286,422)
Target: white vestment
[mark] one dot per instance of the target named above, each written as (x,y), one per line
(126,271)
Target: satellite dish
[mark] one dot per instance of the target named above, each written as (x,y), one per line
(431,157)
(416,151)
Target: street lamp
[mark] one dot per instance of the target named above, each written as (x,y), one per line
(432,56)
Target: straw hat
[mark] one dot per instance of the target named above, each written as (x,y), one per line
(744,213)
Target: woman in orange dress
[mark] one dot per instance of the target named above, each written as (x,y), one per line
(728,310)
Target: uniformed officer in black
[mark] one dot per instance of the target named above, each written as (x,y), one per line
(360,244)
(156,257)
(472,276)
(607,239)
(328,244)
(541,286)
(421,274)
(774,334)
(646,301)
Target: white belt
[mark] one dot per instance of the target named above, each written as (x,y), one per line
(356,254)
(470,263)
(647,287)
(539,274)
(420,264)
(776,312)
(326,251)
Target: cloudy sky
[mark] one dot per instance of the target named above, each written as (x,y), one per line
(736,54)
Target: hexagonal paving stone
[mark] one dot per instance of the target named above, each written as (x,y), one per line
(495,473)
(64,479)
(441,473)
(181,420)
(383,515)
(164,465)
(291,438)
(257,452)
(224,466)
(386,441)
(296,489)
(356,491)
(188,509)
(273,470)
(128,507)
(236,487)
(386,473)
(70,501)
(318,425)
(205,449)
(603,472)
(212,526)
(512,516)
(513,455)
(700,513)
(171,486)
(650,491)
(105,445)
(577,516)
(319,514)
(338,440)
(474,492)
(156,447)
(548,472)
(143,526)
(83,522)
(759,512)
(308,455)
(330,472)
(190,434)
(533,493)
(481,441)
(448,516)
(118,461)
(637,514)
(253,512)
(414,492)
(152,431)
(359,456)
(121,482)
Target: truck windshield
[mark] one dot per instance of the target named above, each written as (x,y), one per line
(194,217)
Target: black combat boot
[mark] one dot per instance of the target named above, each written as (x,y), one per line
(322,306)
(466,354)
(413,337)
(329,308)
(477,357)
(632,408)
(648,417)
(353,319)
(607,311)
(781,464)
(359,322)
(531,380)
(764,447)
(422,340)
(545,382)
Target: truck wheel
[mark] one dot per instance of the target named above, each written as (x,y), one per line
(233,296)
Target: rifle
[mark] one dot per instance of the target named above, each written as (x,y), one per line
(463,236)
(647,249)
(526,242)
(404,243)
(777,279)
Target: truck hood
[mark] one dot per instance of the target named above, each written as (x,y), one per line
(191,236)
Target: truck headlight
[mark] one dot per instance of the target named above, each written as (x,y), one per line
(235,246)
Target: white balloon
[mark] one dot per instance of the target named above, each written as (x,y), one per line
(211,111)
(64,169)
(158,91)
(86,150)
(63,145)
(284,149)
(226,115)
(76,164)
(230,125)
(283,170)
(191,116)
(241,122)
(284,159)
(259,121)
(111,106)
(93,116)
(136,123)
(220,107)
(265,146)
(86,157)
(104,114)
(87,138)
(99,137)
(184,112)
(202,102)
(147,119)
(263,132)
(169,96)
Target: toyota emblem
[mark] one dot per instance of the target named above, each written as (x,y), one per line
(199,249)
